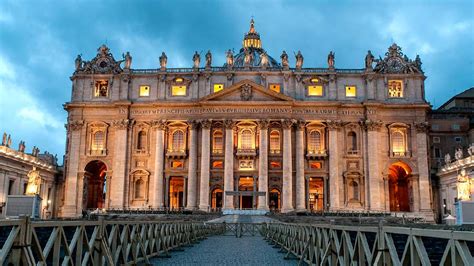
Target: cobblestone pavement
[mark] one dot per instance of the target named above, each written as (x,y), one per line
(243,219)
(228,250)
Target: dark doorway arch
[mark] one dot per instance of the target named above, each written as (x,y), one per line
(398,179)
(274,199)
(94,185)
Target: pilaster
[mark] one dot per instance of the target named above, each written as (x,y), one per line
(263,165)
(205,162)
(287,201)
(229,164)
(119,163)
(192,166)
(157,185)
(300,161)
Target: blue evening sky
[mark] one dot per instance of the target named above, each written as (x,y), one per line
(39,41)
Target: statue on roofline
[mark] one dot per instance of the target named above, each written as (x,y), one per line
(331,59)
(369,59)
(208,59)
(78,62)
(163,60)
(196,60)
(299,60)
(458,154)
(447,158)
(230,58)
(128,60)
(264,59)
(4,140)
(284,60)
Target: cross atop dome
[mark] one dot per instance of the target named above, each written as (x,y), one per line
(252,38)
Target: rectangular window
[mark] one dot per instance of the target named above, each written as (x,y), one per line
(178,90)
(101,88)
(434,127)
(436,140)
(437,152)
(177,164)
(218,87)
(351,91)
(455,127)
(395,89)
(315,165)
(10,186)
(217,164)
(275,165)
(144,91)
(275,87)
(315,90)
(458,139)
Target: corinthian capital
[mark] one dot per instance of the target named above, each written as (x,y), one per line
(229,124)
(122,123)
(206,124)
(193,124)
(75,125)
(422,127)
(334,124)
(159,124)
(300,124)
(263,124)
(372,125)
(288,123)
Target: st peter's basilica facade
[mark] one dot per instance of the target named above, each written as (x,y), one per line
(252,134)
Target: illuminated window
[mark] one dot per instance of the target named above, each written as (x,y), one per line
(314,80)
(315,165)
(314,141)
(101,88)
(218,142)
(144,91)
(275,87)
(218,87)
(315,90)
(177,164)
(178,90)
(178,140)
(139,189)
(178,80)
(351,91)
(275,142)
(217,164)
(247,137)
(398,143)
(141,140)
(395,89)
(98,141)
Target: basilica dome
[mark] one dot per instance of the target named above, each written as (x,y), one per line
(252,53)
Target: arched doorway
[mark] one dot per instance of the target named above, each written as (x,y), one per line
(216,198)
(176,192)
(94,185)
(398,179)
(316,193)
(274,199)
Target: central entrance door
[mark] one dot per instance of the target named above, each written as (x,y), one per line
(246,184)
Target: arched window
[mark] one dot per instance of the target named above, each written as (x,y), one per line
(275,141)
(247,139)
(141,142)
(398,143)
(98,141)
(218,141)
(314,141)
(139,189)
(352,141)
(354,190)
(178,140)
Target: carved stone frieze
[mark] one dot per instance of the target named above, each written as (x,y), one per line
(103,63)
(246,92)
(422,127)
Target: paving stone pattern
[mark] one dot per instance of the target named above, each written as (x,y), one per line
(256,219)
(228,250)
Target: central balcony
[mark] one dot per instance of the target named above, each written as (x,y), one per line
(313,154)
(176,153)
(246,153)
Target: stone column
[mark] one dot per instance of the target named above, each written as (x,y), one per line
(263,165)
(423,170)
(300,180)
(192,167)
(205,163)
(71,206)
(157,183)
(229,164)
(167,192)
(335,182)
(374,175)
(117,187)
(287,204)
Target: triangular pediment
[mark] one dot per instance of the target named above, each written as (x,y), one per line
(246,90)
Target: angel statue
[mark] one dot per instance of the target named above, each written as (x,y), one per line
(34,182)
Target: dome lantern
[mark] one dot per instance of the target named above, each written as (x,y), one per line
(252,38)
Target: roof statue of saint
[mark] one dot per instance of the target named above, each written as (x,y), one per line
(252,50)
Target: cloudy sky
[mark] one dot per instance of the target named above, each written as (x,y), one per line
(39,41)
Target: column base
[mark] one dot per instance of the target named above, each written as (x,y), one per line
(69,212)
(263,208)
(205,208)
(191,208)
(287,210)
(301,210)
